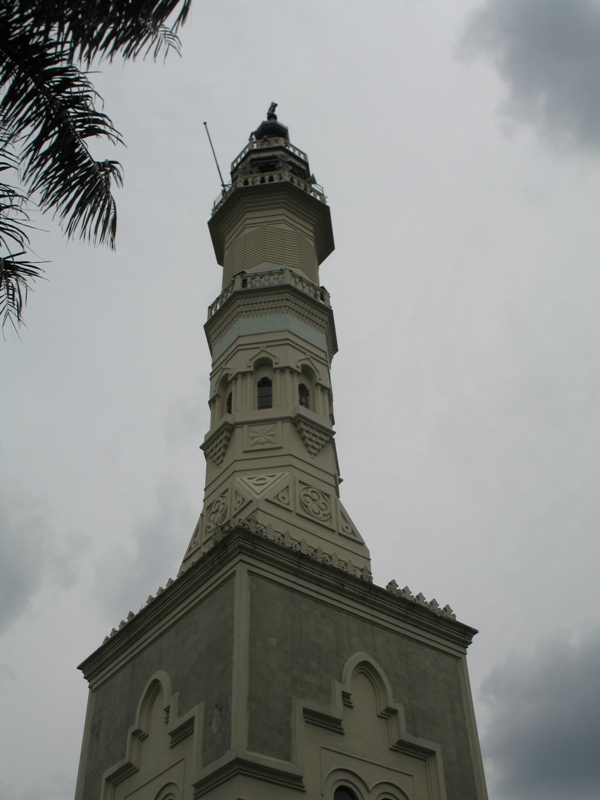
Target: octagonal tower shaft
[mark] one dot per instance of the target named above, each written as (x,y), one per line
(270,452)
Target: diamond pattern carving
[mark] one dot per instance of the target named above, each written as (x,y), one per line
(314,437)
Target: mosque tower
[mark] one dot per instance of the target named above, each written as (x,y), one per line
(273,667)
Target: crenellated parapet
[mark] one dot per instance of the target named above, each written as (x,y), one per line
(250,525)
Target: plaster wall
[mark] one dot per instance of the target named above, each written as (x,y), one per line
(298,647)
(197,654)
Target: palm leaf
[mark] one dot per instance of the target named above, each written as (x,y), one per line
(50,113)
(106,28)
(15,278)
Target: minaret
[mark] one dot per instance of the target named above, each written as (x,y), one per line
(272,667)
(270,452)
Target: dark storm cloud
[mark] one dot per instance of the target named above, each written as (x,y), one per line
(548,52)
(544,738)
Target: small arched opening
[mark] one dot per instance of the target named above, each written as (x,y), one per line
(344,793)
(303,395)
(264,393)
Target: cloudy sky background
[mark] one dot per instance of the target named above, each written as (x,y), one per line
(459,146)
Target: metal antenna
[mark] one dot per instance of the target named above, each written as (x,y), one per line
(215,156)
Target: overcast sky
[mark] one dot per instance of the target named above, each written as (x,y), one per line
(459,146)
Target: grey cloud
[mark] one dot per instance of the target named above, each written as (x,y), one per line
(544,738)
(25,541)
(149,556)
(30,551)
(48,787)
(548,53)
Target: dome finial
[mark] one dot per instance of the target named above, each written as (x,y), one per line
(271,128)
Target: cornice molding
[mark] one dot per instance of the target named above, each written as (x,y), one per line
(251,525)
(272,560)
(274,300)
(220,549)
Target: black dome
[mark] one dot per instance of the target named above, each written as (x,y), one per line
(271,127)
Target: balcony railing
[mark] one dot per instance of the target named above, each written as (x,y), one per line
(262,280)
(270,177)
(261,144)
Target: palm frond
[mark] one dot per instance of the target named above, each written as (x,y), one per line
(54,104)
(49,114)
(16,273)
(106,28)
(15,278)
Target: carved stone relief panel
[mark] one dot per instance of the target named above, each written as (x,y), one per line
(284,497)
(345,525)
(259,484)
(266,436)
(314,504)
(216,513)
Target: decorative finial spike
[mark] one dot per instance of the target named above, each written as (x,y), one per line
(271,112)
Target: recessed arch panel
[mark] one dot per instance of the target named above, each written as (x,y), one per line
(361,742)
(161,747)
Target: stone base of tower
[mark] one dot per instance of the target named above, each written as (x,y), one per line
(268,672)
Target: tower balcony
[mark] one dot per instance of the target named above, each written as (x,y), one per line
(270,278)
(279,176)
(267,144)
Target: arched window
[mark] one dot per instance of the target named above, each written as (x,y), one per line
(228,403)
(303,396)
(344,793)
(264,393)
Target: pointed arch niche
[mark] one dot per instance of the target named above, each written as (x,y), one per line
(163,750)
(359,748)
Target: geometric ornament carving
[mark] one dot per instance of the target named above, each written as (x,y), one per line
(346,526)
(262,436)
(314,437)
(216,448)
(216,513)
(283,496)
(259,484)
(239,500)
(315,503)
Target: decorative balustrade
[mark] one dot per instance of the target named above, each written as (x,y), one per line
(270,177)
(261,280)
(268,143)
